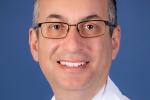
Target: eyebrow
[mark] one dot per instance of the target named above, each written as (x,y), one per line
(60,17)
(56,16)
(90,17)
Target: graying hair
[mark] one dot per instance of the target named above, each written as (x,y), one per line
(112,13)
(35,13)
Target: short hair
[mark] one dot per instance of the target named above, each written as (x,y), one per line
(112,13)
(35,13)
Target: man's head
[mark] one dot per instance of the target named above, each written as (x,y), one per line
(75,63)
(112,13)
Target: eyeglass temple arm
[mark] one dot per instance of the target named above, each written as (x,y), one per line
(110,24)
(37,25)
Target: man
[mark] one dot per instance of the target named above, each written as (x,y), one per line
(74,42)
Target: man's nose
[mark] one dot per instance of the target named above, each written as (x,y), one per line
(73,40)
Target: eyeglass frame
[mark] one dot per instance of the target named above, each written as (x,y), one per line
(107,23)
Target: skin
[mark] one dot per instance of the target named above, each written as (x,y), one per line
(79,83)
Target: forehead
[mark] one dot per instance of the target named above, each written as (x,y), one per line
(73,10)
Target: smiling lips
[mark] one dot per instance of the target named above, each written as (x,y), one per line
(70,64)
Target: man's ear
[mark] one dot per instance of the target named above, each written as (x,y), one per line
(116,35)
(33,43)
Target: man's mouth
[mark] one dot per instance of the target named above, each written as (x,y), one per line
(70,64)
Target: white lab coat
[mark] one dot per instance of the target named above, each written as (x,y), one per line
(110,92)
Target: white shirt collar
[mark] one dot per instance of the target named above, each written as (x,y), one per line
(100,94)
(109,92)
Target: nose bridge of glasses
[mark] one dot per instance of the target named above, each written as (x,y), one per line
(76,27)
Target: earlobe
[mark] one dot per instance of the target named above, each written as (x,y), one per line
(33,43)
(116,41)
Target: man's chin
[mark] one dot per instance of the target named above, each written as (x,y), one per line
(72,85)
(75,87)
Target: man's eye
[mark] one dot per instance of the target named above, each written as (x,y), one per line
(56,27)
(90,27)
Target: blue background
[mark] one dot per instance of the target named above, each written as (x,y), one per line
(21,78)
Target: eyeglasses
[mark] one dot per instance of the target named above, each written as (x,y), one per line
(86,29)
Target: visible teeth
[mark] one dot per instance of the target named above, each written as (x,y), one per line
(72,64)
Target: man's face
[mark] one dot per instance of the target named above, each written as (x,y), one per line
(74,62)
